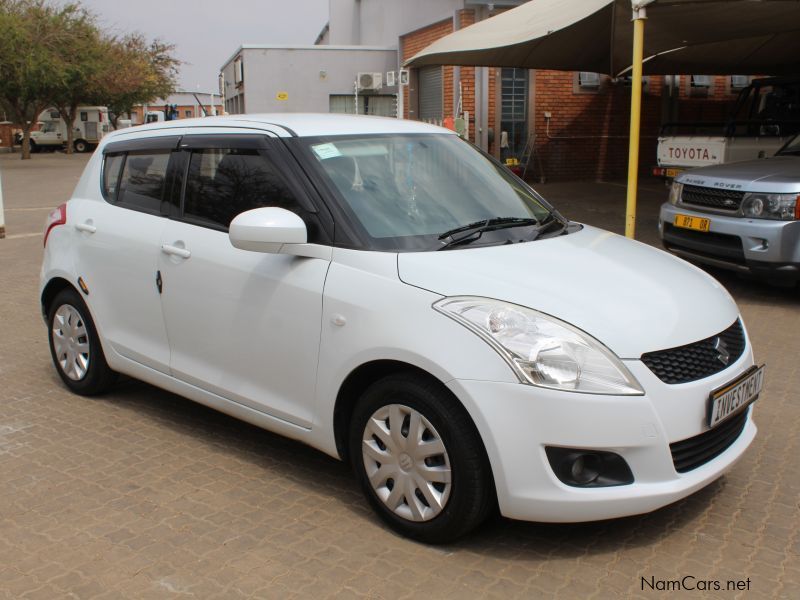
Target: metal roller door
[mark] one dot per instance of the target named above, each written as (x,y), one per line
(430,93)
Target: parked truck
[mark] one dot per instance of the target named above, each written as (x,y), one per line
(89,128)
(765,116)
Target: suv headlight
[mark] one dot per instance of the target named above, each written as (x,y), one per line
(782,207)
(542,350)
(675,192)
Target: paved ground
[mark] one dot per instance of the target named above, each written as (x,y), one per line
(143,494)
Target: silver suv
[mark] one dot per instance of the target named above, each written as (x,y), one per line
(741,216)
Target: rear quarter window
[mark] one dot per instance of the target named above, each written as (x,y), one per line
(112,167)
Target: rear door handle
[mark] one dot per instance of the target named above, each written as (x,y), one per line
(175,251)
(86,227)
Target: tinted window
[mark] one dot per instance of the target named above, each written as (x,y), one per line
(142,182)
(111,172)
(224,182)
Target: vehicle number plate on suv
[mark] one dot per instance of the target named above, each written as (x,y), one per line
(735,396)
(690,222)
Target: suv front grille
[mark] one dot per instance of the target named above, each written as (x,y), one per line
(712,197)
(700,449)
(698,360)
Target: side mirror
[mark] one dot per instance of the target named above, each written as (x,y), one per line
(267,230)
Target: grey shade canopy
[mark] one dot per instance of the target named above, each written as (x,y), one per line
(682,37)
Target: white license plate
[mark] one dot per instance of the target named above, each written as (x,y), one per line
(735,396)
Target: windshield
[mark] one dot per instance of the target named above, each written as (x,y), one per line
(792,147)
(405,190)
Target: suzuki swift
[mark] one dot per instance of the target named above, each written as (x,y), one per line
(383,291)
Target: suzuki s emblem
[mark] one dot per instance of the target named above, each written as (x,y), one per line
(723,354)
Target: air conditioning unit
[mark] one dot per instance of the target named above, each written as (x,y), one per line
(588,80)
(370,81)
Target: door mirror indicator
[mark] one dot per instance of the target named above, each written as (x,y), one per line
(267,229)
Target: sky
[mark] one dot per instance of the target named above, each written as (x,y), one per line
(207,32)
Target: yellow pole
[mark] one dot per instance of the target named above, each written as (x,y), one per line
(639,16)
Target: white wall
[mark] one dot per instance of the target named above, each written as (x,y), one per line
(297,72)
(382,22)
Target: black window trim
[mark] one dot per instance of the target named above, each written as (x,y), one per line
(163,142)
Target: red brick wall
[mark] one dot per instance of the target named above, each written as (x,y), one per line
(422,38)
(587,137)
(588,131)
(5,135)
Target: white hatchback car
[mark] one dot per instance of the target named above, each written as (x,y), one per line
(382,291)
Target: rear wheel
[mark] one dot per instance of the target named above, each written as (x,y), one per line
(420,460)
(75,347)
(80,146)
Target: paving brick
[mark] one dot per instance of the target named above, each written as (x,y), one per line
(142,494)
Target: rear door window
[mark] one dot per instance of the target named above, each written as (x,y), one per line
(143,182)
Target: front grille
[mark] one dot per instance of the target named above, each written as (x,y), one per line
(712,197)
(698,360)
(698,450)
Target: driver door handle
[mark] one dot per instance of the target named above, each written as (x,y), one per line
(175,251)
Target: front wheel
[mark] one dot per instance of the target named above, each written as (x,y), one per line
(75,347)
(420,460)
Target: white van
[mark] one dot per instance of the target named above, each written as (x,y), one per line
(89,128)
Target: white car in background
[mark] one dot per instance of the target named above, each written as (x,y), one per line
(382,291)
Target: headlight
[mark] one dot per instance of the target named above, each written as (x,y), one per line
(675,192)
(782,207)
(542,350)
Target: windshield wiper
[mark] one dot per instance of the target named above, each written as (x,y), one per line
(473,231)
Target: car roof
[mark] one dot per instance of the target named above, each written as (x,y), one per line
(299,124)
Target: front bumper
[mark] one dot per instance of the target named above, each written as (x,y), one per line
(757,246)
(517,422)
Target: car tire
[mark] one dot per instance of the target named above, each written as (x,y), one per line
(80,146)
(34,147)
(75,346)
(393,464)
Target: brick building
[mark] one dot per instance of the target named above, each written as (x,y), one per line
(6,136)
(186,104)
(577,123)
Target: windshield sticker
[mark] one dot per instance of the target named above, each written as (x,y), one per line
(324,151)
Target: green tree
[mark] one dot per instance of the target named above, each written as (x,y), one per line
(31,34)
(53,54)
(81,55)
(135,71)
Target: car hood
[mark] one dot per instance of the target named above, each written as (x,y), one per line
(777,174)
(631,297)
